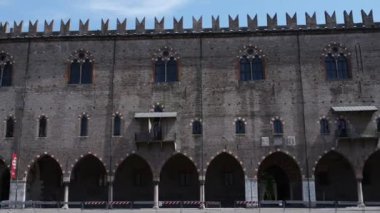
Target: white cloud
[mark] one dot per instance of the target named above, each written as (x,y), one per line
(135,7)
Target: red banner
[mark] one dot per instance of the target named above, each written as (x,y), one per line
(14,166)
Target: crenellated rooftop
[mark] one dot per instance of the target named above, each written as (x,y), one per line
(178,27)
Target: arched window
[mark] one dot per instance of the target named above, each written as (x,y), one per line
(6,66)
(239,126)
(251,64)
(81,67)
(278,128)
(336,62)
(166,69)
(42,127)
(197,127)
(324,126)
(84,126)
(378,124)
(9,129)
(342,130)
(117,125)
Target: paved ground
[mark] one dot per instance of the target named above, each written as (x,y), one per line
(225,210)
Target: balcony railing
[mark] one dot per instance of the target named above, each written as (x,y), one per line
(149,137)
(350,134)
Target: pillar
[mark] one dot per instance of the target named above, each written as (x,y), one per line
(110,188)
(202,197)
(308,190)
(156,194)
(66,195)
(17,192)
(360,193)
(251,191)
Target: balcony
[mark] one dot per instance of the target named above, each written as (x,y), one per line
(350,135)
(148,138)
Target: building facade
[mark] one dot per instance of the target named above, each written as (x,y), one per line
(203,114)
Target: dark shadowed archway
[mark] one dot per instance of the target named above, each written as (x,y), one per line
(133,180)
(44,180)
(279,178)
(225,180)
(179,180)
(335,178)
(4,181)
(88,180)
(371,178)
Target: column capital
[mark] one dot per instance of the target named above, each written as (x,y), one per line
(66,180)
(110,178)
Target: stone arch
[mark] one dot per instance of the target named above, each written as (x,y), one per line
(133,180)
(84,155)
(279,177)
(37,157)
(371,178)
(88,179)
(334,178)
(179,179)
(225,180)
(44,179)
(4,181)
(229,153)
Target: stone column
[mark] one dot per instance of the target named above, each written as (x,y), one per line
(156,194)
(202,197)
(360,193)
(66,194)
(308,190)
(17,191)
(110,188)
(251,191)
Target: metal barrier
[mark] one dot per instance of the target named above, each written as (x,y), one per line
(287,204)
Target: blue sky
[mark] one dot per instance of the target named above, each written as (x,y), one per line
(95,10)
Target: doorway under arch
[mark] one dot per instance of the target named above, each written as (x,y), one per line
(4,181)
(133,180)
(88,180)
(44,180)
(279,178)
(371,178)
(179,180)
(225,180)
(335,178)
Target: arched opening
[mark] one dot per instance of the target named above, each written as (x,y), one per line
(179,180)
(279,178)
(371,178)
(88,180)
(225,180)
(44,180)
(133,180)
(4,181)
(335,178)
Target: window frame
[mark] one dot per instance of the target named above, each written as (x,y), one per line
(7,127)
(163,57)
(324,126)
(6,61)
(240,127)
(82,133)
(42,132)
(120,117)
(252,54)
(81,57)
(331,59)
(197,127)
(276,127)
